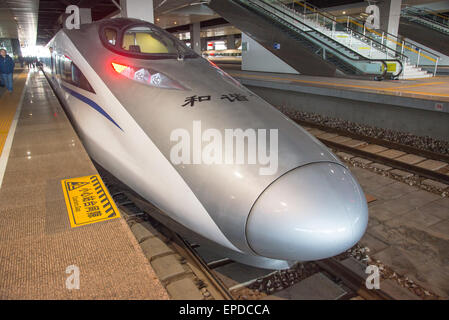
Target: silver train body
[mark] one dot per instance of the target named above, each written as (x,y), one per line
(311,208)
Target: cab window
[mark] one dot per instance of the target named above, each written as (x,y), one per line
(146,40)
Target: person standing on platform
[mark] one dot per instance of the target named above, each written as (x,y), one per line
(6,69)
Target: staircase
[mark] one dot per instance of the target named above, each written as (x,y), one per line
(324,27)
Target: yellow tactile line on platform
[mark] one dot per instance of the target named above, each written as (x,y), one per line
(333,84)
(8,106)
(414,85)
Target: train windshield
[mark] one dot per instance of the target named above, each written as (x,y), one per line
(145,42)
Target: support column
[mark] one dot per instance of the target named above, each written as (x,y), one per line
(85,15)
(230,42)
(138,9)
(203,44)
(390,14)
(195,37)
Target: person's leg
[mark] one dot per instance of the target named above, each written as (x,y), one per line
(3,76)
(9,81)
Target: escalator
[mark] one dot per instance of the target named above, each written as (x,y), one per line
(418,62)
(426,27)
(300,44)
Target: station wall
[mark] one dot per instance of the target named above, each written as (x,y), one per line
(256,58)
(381,114)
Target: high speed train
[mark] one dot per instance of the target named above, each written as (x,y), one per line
(127,86)
(233,56)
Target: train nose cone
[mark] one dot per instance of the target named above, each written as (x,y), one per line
(310,213)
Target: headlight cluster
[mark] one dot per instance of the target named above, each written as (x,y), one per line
(147,76)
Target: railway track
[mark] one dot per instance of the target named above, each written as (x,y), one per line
(377,141)
(392,156)
(209,286)
(272,285)
(215,285)
(422,163)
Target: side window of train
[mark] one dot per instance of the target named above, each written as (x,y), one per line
(60,65)
(78,79)
(66,72)
(70,73)
(52,61)
(111,35)
(56,64)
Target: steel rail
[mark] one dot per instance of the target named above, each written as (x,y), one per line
(352,280)
(434,175)
(386,143)
(205,269)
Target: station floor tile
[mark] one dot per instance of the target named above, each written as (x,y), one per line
(419,263)
(374,244)
(408,230)
(394,190)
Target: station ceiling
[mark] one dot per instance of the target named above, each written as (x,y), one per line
(37,20)
(18,19)
(50,11)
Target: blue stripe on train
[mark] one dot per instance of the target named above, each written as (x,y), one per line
(91,103)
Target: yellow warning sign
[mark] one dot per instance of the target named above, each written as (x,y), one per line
(88,201)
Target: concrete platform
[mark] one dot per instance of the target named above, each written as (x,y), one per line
(37,242)
(419,106)
(433,89)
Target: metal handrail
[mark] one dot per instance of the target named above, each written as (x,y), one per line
(371,40)
(422,17)
(347,48)
(405,45)
(435,13)
(361,58)
(427,11)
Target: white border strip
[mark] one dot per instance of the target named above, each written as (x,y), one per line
(12,129)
